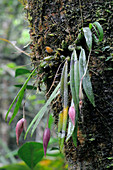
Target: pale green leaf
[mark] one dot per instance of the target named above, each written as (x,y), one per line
(70,130)
(65,105)
(72,79)
(74,85)
(21,95)
(88,37)
(87,86)
(100,29)
(66,85)
(76,77)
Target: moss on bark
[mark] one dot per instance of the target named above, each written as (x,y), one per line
(51,24)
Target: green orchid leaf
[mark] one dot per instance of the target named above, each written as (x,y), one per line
(43,111)
(19,101)
(74,85)
(88,37)
(70,130)
(72,78)
(12,104)
(65,105)
(87,86)
(66,85)
(76,77)
(98,30)
(29,87)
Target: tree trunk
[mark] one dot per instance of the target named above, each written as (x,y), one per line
(51,24)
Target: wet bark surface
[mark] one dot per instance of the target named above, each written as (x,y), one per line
(51,22)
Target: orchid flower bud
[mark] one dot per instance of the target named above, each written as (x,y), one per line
(72,114)
(46,137)
(21,124)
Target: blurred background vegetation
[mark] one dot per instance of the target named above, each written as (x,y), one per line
(14,27)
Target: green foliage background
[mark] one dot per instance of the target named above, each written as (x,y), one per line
(14,27)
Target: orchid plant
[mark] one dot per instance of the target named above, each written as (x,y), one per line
(76,79)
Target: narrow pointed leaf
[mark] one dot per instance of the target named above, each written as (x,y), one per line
(70,130)
(76,77)
(41,113)
(72,79)
(74,85)
(66,85)
(19,96)
(88,37)
(82,63)
(95,36)
(29,87)
(100,29)
(87,86)
(12,105)
(65,106)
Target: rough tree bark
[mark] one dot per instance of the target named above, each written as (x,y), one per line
(51,22)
